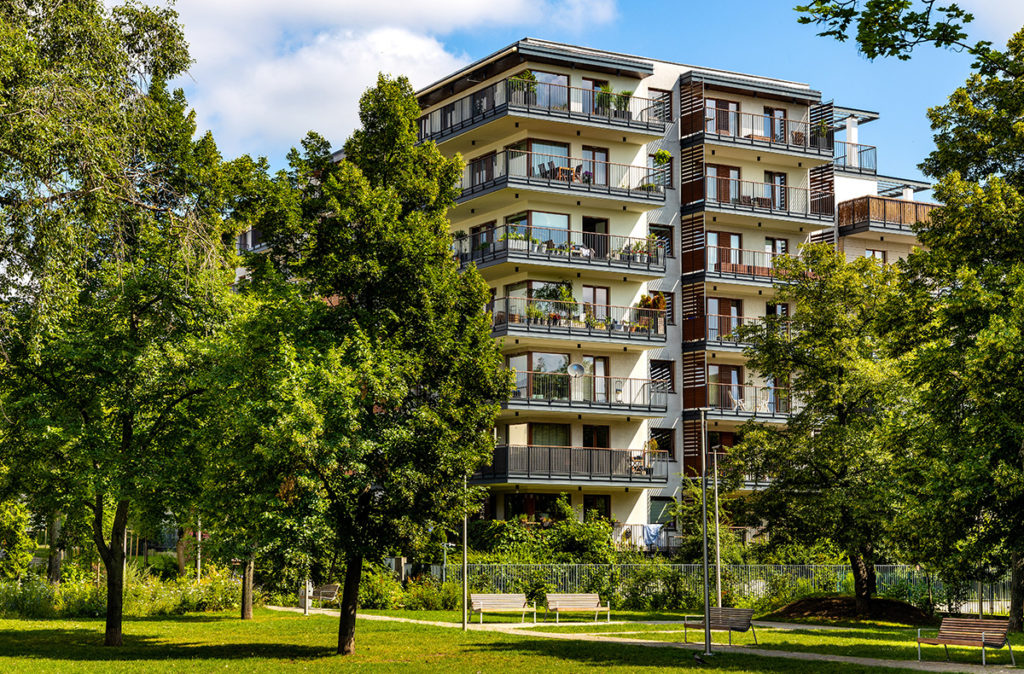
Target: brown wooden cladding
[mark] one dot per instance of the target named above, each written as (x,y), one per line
(691,174)
(691,107)
(691,235)
(691,304)
(691,448)
(695,389)
(893,212)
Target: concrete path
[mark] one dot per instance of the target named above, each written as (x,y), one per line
(520,629)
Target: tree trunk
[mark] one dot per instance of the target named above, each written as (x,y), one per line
(861,584)
(349,599)
(145,552)
(113,556)
(250,564)
(179,549)
(56,558)
(1016,591)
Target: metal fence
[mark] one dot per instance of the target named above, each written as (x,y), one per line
(745,584)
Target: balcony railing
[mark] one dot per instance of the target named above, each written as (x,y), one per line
(563,172)
(586,464)
(559,388)
(724,329)
(577,319)
(854,157)
(744,399)
(554,245)
(555,100)
(640,536)
(761,128)
(891,213)
(739,262)
(747,195)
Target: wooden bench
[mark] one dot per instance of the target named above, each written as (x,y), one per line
(322,593)
(501,603)
(986,633)
(577,603)
(724,619)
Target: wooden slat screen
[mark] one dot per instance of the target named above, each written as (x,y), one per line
(691,105)
(691,174)
(691,242)
(691,448)
(695,390)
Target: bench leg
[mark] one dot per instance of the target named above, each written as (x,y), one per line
(754,633)
(481,617)
(947,651)
(556,616)
(1013,661)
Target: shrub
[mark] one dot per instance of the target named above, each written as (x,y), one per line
(15,545)
(379,589)
(426,593)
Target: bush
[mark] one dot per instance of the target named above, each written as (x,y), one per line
(426,593)
(15,545)
(379,589)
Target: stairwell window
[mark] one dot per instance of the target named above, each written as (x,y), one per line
(664,372)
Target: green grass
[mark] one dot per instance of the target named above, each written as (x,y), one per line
(277,641)
(582,618)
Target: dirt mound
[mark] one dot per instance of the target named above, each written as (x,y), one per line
(843,608)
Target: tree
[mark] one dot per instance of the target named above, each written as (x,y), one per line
(829,467)
(398,380)
(963,331)
(16,546)
(116,262)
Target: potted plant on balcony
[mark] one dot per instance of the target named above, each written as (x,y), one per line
(535,245)
(662,157)
(622,100)
(515,241)
(626,252)
(524,90)
(603,100)
(534,314)
(640,252)
(587,177)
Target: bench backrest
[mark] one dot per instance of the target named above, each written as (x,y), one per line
(497,601)
(572,601)
(737,619)
(326,591)
(971,629)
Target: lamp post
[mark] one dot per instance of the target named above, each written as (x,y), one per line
(465,563)
(718,546)
(704,517)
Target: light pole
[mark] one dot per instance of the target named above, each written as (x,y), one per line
(718,546)
(465,563)
(704,513)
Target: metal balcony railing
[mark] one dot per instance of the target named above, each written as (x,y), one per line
(740,262)
(744,194)
(550,244)
(745,399)
(854,157)
(561,464)
(892,213)
(559,388)
(724,329)
(762,128)
(577,318)
(564,172)
(615,109)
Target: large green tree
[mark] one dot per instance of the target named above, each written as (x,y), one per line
(115,260)
(829,467)
(398,380)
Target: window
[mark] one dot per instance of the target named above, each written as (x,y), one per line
(661,512)
(775,245)
(595,384)
(595,165)
(550,435)
(591,101)
(661,174)
(552,90)
(597,437)
(601,504)
(725,387)
(531,507)
(723,183)
(549,228)
(661,105)
(875,254)
(670,306)
(777,309)
(775,189)
(242,241)
(664,372)
(666,439)
(724,316)
(595,301)
(721,116)
(664,236)
(775,124)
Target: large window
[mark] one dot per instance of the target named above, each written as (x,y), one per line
(595,165)
(599,504)
(723,183)
(531,507)
(550,435)
(552,90)
(721,116)
(596,437)
(549,228)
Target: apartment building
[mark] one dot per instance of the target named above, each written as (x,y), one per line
(626,213)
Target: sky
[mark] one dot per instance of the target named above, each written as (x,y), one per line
(268,71)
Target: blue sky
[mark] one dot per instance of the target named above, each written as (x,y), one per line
(268,71)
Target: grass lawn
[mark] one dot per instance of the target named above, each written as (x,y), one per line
(582,618)
(289,642)
(868,640)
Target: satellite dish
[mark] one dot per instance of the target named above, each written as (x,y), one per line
(576,370)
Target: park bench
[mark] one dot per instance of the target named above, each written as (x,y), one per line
(985,633)
(501,603)
(577,603)
(724,619)
(322,593)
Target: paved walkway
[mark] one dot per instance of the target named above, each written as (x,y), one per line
(519,630)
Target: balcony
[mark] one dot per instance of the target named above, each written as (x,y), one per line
(723,330)
(854,158)
(560,248)
(761,130)
(559,391)
(744,400)
(523,97)
(760,198)
(562,174)
(731,263)
(882,214)
(572,320)
(559,465)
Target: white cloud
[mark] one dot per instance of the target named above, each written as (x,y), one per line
(994,20)
(267,71)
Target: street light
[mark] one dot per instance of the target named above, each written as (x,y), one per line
(465,563)
(704,513)
(718,543)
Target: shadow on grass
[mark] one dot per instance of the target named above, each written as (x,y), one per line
(87,644)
